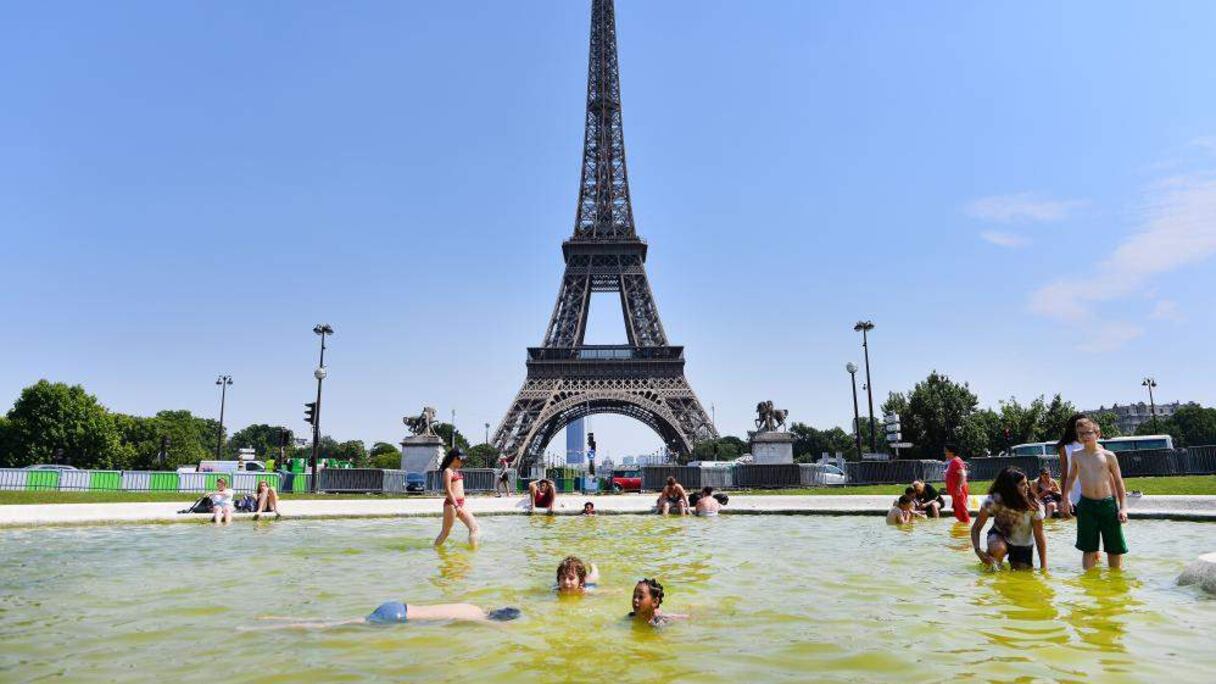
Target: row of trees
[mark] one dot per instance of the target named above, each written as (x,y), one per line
(939,410)
(57,423)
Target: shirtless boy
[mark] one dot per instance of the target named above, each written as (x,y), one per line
(1102,510)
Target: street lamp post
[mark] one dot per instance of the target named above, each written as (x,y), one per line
(852,369)
(865,327)
(321,329)
(487,433)
(1150,383)
(453,428)
(223,381)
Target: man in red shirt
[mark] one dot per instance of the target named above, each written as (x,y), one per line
(956,483)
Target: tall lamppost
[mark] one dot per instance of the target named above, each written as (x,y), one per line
(487,433)
(223,381)
(1150,383)
(852,369)
(321,329)
(865,327)
(453,428)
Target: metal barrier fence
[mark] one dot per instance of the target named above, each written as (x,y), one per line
(475,479)
(894,472)
(1201,460)
(989,468)
(13,479)
(766,476)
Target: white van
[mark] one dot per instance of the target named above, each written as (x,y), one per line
(231,467)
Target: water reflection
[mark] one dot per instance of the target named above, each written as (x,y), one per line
(1097,616)
(454,566)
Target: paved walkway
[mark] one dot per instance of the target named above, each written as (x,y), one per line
(1200,508)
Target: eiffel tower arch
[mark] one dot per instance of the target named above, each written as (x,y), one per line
(567,379)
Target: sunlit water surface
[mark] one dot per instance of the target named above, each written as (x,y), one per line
(773,597)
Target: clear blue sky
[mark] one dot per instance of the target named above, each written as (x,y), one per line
(1021,195)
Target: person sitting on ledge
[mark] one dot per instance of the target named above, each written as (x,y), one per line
(928,500)
(1047,492)
(541,494)
(268,500)
(673,494)
(222,504)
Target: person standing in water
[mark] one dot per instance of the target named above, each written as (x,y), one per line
(1068,444)
(453,501)
(1102,510)
(956,483)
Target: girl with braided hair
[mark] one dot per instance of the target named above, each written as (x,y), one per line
(647,597)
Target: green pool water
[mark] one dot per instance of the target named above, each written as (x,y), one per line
(796,598)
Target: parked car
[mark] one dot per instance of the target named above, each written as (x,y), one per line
(49,466)
(627,481)
(829,474)
(415,482)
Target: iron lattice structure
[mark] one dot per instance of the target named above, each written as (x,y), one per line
(568,379)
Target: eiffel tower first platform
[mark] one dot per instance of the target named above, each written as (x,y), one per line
(567,379)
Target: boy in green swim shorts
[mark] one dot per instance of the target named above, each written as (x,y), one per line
(1102,510)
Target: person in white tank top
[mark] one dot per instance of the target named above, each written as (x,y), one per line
(1067,445)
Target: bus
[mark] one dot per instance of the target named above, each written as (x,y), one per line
(1115,444)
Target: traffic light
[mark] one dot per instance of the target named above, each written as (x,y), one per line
(310,413)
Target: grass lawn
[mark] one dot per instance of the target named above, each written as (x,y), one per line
(1187,484)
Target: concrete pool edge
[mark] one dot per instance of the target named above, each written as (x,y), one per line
(1199,508)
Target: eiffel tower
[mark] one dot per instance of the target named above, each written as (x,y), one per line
(567,379)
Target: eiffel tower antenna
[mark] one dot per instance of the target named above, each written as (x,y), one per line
(568,379)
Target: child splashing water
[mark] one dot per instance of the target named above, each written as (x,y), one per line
(1016,516)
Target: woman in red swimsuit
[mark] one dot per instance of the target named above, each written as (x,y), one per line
(453,502)
(542,495)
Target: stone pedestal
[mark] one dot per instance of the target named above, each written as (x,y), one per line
(772,447)
(421,453)
(1201,572)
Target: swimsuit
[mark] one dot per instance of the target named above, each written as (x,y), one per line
(457,476)
(388,613)
(1099,518)
(543,499)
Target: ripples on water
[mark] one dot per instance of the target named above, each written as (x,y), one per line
(773,597)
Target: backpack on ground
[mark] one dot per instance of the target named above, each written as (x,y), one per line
(203,505)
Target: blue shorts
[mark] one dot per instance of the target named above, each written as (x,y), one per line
(388,613)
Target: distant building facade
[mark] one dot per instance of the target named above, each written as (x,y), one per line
(1129,417)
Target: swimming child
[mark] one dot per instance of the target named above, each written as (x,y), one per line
(956,483)
(453,501)
(574,577)
(588,508)
(1102,510)
(647,597)
(1016,516)
(393,612)
(902,511)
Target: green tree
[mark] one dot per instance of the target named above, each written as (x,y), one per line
(1024,423)
(385,455)
(811,443)
(726,448)
(985,433)
(351,450)
(482,456)
(191,438)
(54,421)
(262,438)
(1107,421)
(936,412)
(1055,418)
(444,430)
(1190,426)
